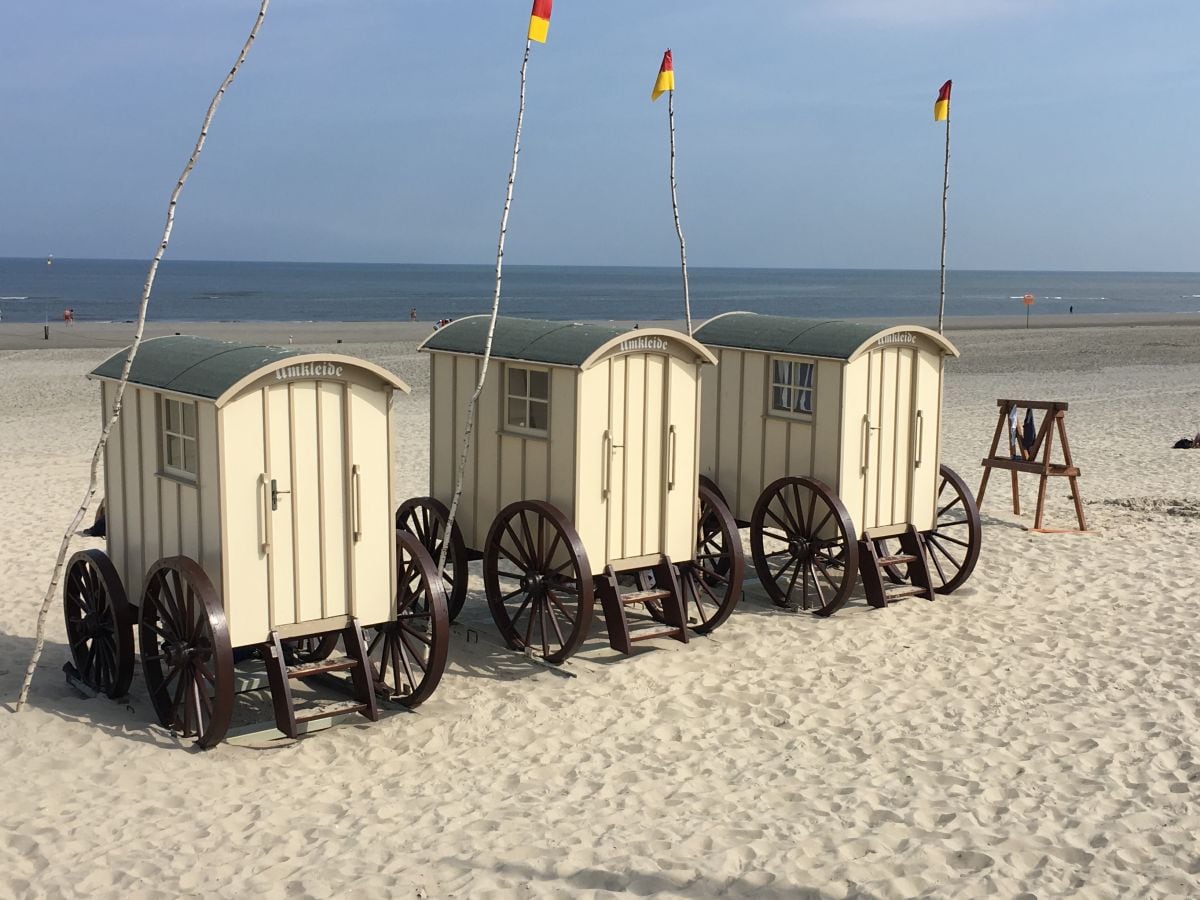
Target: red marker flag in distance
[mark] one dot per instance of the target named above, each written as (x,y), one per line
(941,106)
(666,77)
(539,21)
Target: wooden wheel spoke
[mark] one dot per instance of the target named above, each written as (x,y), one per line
(947,537)
(791,560)
(424,638)
(825,521)
(413,654)
(553,620)
(813,566)
(792,583)
(529,620)
(522,559)
(535,561)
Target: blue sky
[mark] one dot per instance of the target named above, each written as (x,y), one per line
(381,130)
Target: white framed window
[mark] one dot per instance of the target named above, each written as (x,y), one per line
(791,387)
(527,400)
(179,454)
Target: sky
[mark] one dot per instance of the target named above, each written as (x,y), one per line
(381,131)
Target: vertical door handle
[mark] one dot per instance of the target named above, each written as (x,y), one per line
(356,517)
(671,468)
(606,452)
(867,429)
(920,438)
(264,484)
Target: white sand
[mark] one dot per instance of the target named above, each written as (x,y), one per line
(1035,734)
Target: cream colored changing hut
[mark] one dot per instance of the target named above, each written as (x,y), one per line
(821,433)
(249,503)
(583,466)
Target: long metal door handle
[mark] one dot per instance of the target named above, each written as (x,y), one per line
(605,465)
(264,490)
(866,460)
(356,517)
(920,438)
(671,469)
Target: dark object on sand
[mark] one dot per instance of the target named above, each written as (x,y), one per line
(1185,444)
(99,525)
(1029,433)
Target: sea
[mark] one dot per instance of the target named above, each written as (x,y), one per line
(109,290)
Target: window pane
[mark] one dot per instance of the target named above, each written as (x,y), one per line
(189,418)
(174,454)
(539,385)
(781,399)
(539,415)
(806,375)
(803,401)
(782,375)
(516,382)
(170,415)
(189,457)
(516,413)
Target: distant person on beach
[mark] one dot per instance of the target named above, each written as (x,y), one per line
(1071,310)
(68,316)
(412,314)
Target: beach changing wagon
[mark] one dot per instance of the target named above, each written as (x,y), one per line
(583,469)
(249,513)
(824,437)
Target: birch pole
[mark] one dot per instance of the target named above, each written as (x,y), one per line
(98,454)
(687,300)
(487,347)
(945,194)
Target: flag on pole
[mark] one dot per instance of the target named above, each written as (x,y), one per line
(539,21)
(666,77)
(941,106)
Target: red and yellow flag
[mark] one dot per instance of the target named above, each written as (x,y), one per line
(666,77)
(941,106)
(539,21)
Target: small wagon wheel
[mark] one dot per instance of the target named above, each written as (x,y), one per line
(712,582)
(186,656)
(803,543)
(412,648)
(99,623)
(426,518)
(957,534)
(538,580)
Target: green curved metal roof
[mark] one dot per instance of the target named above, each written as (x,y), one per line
(835,339)
(200,367)
(532,340)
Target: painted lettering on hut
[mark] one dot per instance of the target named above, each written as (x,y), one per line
(645,343)
(309,370)
(900,337)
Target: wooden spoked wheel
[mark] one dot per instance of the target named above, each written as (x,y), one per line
(957,535)
(537,579)
(186,656)
(408,654)
(99,623)
(804,547)
(426,518)
(712,582)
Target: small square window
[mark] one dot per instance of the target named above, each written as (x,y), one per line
(527,404)
(791,387)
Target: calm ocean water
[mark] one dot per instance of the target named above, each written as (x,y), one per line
(109,290)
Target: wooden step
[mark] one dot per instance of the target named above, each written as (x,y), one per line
(307,670)
(650,635)
(898,560)
(337,708)
(899,592)
(644,596)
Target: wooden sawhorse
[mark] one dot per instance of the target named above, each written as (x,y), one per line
(1020,459)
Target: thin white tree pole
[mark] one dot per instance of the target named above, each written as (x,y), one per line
(687,300)
(98,454)
(945,194)
(487,347)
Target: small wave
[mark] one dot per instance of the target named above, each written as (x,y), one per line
(14,298)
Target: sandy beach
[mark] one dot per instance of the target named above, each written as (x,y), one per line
(1036,734)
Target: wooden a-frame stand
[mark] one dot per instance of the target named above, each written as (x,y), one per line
(1020,459)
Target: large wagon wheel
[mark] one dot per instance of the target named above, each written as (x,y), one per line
(186,656)
(957,534)
(538,580)
(99,623)
(712,582)
(803,543)
(412,648)
(426,518)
